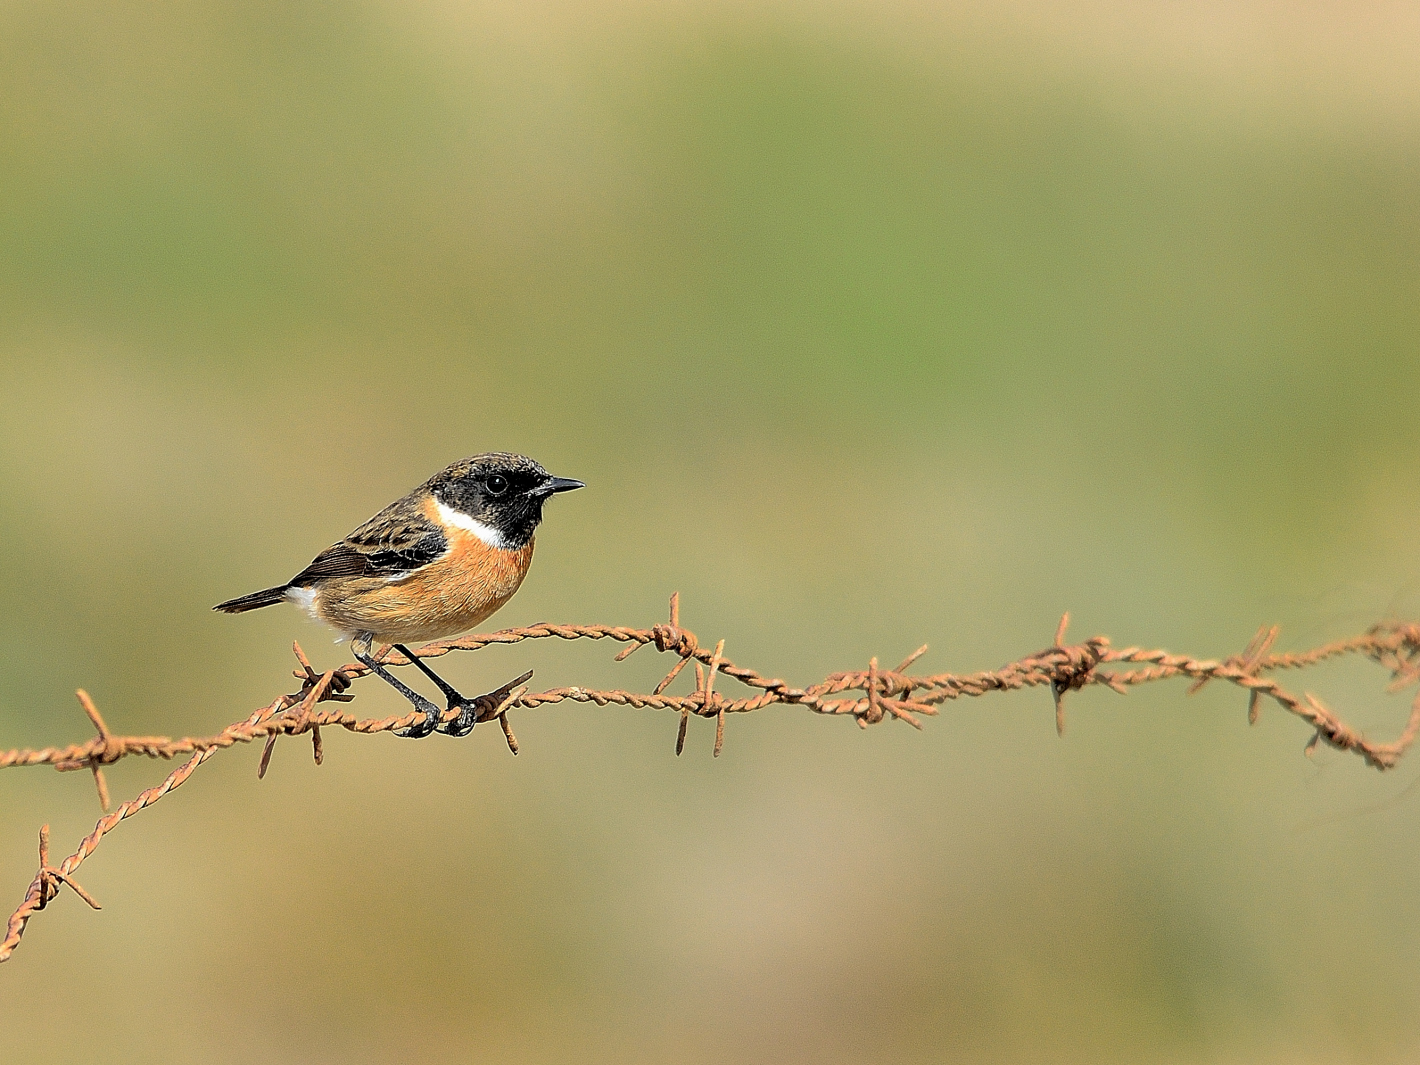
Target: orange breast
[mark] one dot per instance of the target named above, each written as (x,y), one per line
(463,588)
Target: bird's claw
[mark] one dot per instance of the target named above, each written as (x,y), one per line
(432,716)
(463,724)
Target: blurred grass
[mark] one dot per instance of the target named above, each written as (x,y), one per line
(865,327)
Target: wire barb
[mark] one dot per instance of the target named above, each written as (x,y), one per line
(317,746)
(109,751)
(1246,663)
(1058,688)
(315,690)
(503,718)
(713,700)
(913,657)
(49,878)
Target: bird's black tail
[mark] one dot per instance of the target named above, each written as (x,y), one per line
(265,597)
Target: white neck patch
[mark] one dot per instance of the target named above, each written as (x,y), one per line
(459,520)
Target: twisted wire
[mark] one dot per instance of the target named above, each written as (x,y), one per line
(887,694)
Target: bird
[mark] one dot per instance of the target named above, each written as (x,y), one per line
(432,564)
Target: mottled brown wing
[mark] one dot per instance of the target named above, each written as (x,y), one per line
(397,540)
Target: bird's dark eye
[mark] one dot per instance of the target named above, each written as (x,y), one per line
(497,484)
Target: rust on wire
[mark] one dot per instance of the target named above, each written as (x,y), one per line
(1247,662)
(108,751)
(1057,689)
(1061,667)
(49,878)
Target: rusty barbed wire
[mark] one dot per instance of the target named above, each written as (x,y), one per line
(887,694)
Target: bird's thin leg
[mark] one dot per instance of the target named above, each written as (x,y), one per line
(468,709)
(432,714)
(450,692)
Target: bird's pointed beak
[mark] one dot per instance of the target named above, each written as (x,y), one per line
(557,484)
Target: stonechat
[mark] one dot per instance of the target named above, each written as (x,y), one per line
(433,564)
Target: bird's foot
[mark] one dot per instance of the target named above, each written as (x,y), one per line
(432,716)
(471,711)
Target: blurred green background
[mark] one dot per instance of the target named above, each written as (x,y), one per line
(867,325)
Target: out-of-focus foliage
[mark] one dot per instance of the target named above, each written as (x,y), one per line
(866,325)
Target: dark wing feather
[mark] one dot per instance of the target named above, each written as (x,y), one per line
(397,540)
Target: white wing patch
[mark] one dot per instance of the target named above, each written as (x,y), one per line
(489,535)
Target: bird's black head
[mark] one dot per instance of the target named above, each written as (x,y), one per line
(502,492)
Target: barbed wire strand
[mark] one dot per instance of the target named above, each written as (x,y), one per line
(887,694)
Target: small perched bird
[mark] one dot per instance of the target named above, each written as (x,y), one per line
(433,564)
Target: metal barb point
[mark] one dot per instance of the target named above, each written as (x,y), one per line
(266,756)
(708,686)
(875,711)
(508,731)
(109,752)
(906,663)
(680,734)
